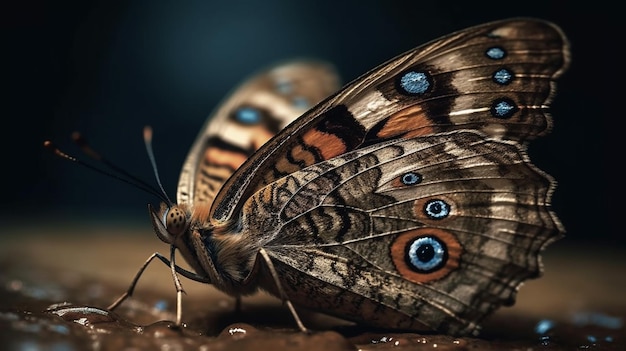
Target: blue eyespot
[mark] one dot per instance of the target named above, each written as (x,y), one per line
(495,53)
(503,108)
(415,83)
(503,76)
(284,86)
(426,254)
(411,178)
(437,209)
(248,115)
(300,102)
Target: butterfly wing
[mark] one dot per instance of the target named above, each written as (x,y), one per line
(433,232)
(406,200)
(497,78)
(253,113)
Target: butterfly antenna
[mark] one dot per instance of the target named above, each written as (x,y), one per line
(147,138)
(121,174)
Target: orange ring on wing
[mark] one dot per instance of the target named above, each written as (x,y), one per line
(409,247)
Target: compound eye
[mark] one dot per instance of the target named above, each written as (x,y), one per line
(175,221)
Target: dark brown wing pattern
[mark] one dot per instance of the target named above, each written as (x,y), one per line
(497,78)
(406,200)
(432,232)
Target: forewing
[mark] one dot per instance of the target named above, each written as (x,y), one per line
(496,78)
(250,116)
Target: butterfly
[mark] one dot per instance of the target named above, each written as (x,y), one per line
(404,200)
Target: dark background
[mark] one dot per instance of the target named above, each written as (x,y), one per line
(108,68)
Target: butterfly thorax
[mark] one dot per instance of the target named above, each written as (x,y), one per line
(218,251)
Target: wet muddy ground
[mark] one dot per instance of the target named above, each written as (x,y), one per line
(56,281)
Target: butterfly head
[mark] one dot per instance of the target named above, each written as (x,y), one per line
(169,223)
(219,259)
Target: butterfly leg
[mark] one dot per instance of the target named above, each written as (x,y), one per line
(283,296)
(178,285)
(175,271)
